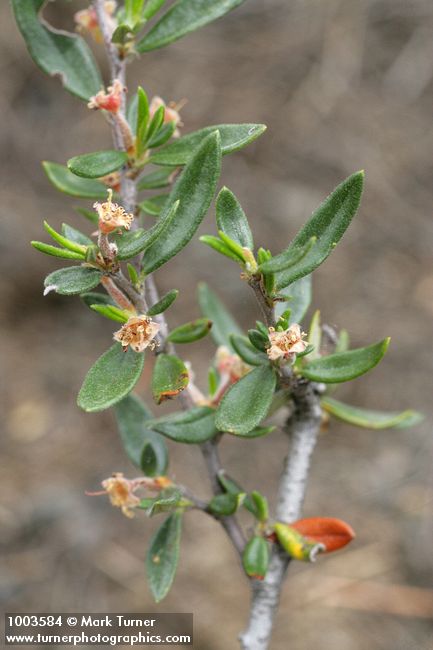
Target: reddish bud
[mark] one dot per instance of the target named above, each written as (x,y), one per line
(332,533)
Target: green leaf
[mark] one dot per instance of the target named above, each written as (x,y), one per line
(95,298)
(345,366)
(343,341)
(223,323)
(163,556)
(224,505)
(299,298)
(72,280)
(162,135)
(259,339)
(111,312)
(233,138)
(95,165)
(190,332)
(183,17)
(291,257)
(247,401)
(48,249)
(154,205)
(261,506)
(65,181)
(231,219)
(247,351)
(65,242)
(233,246)
(121,34)
(255,558)
(195,189)
(169,378)
(155,123)
(151,8)
(370,419)
(315,336)
(156,179)
(328,224)
(219,247)
(192,427)
(163,304)
(138,439)
(56,52)
(75,235)
(110,379)
(91,215)
(167,501)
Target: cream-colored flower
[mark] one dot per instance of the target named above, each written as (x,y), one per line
(87,20)
(111,100)
(171,112)
(230,364)
(139,332)
(112,216)
(286,344)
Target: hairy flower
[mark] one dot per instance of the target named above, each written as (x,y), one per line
(286,344)
(87,20)
(139,332)
(121,490)
(171,113)
(112,216)
(229,364)
(111,100)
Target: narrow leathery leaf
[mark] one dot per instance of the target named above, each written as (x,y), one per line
(151,8)
(246,351)
(189,332)
(343,341)
(154,205)
(224,505)
(191,427)
(162,135)
(231,219)
(90,215)
(261,504)
(233,138)
(195,189)
(111,312)
(233,246)
(155,123)
(370,419)
(74,235)
(110,379)
(68,183)
(296,545)
(48,249)
(345,366)
(262,329)
(163,556)
(169,378)
(332,533)
(247,402)
(137,438)
(133,274)
(56,52)
(141,119)
(328,223)
(299,296)
(162,305)
(167,501)
(183,17)
(308,350)
(223,322)
(132,111)
(288,258)
(257,432)
(132,243)
(64,241)
(232,487)
(258,340)
(212,380)
(94,298)
(315,336)
(255,558)
(97,164)
(219,247)
(155,180)
(72,280)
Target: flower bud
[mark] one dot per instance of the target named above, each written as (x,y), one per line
(111,100)
(87,20)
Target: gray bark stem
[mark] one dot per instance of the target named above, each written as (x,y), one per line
(302,427)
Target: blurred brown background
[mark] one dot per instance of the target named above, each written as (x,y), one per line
(342,85)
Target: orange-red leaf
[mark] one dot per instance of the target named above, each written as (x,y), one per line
(333,533)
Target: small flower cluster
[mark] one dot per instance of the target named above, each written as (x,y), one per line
(87,20)
(139,332)
(121,490)
(112,216)
(286,344)
(111,100)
